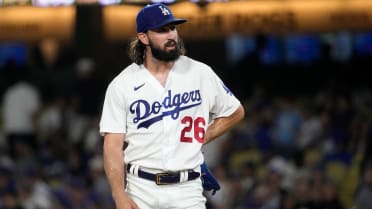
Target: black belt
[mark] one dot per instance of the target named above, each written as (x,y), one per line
(165,178)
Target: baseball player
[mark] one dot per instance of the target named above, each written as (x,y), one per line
(165,107)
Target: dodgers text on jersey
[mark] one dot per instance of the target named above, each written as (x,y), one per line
(147,114)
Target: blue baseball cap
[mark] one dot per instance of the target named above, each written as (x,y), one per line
(155,16)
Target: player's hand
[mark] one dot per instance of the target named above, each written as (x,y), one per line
(125,202)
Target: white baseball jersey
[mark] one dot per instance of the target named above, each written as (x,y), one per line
(165,125)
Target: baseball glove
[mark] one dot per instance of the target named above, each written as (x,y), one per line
(209,182)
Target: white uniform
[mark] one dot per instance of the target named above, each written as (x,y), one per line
(165,126)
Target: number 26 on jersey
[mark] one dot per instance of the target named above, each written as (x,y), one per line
(194,129)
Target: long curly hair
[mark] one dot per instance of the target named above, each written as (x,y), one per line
(136,50)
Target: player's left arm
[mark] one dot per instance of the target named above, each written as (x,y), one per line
(221,125)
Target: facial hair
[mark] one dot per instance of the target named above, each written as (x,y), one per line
(163,54)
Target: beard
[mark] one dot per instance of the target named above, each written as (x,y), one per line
(163,54)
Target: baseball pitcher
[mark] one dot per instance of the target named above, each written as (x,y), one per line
(164,106)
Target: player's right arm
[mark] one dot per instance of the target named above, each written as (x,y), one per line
(113,157)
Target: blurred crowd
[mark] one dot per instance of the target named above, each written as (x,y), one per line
(291,152)
(50,145)
(297,152)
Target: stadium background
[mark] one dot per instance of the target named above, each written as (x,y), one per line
(300,67)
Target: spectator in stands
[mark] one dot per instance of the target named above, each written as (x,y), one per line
(9,200)
(288,122)
(364,192)
(21,104)
(330,197)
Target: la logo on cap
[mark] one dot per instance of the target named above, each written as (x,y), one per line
(165,11)
(155,16)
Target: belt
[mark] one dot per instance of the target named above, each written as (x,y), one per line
(165,178)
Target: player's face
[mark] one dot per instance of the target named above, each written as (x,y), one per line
(164,43)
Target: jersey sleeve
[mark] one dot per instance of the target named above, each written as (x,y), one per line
(224,102)
(113,117)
